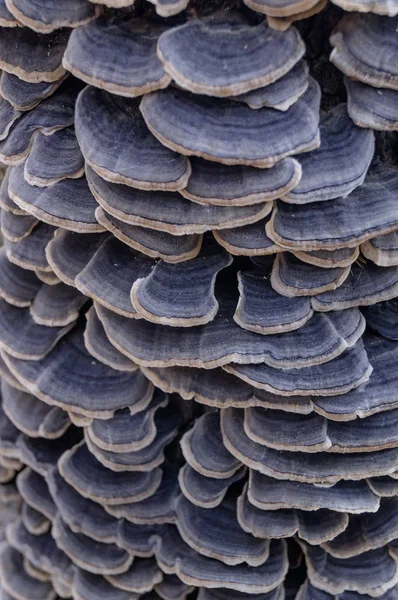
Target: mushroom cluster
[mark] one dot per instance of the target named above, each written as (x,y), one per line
(198,300)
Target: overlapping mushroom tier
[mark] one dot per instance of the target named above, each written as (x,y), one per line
(198,301)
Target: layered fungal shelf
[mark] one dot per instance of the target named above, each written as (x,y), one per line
(199,300)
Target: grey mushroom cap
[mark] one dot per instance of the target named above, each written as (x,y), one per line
(141,577)
(171,213)
(372,572)
(168,8)
(172,588)
(202,491)
(385,487)
(16,581)
(34,521)
(222,340)
(69,252)
(153,243)
(24,95)
(78,466)
(9,437)
(68,204)
(231,54)
(286,523)
(6,203)
(6,18)
(133,72)
(292,277)
(100,347)
(329,259)
(8,116)
(109,275)
(282,93)
(382,249)
(217,533)
(17,286)
(89,586)
(239,185)
(382,318)
(270,494)
(49,16)
(48,277)
(249,240)
(104,391)
(41,454)
(34,490)
(181,295)
(380,7)
(32,61)
(263,310)
(117,144)
(308,591)
(32,416)
(221,594)
(30,252)
(342,222)
(16,227)
(280,8)
(376,64)
(214,128)
(57,305)
(53,158)
(330,171)
(371,107)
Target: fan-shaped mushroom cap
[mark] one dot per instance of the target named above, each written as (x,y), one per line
(167,422)
(249,240)
(205,492)
(34,521)
(41,454)
(125,432)
(35,572)
(365,285)
(280,8)
(342,222)
(100,347)
(108,276)
(222,341)
(172,588)
(133,72)
(116,143)
(8,116)
(220,594)
(29,253)
(52,114)
(351,147)
(53,158)
(372,107)
(385,487)
(17,582)
(24,95)
(230,132)
(239,185)
(68,252)
(49,16)
(56,305)
(17,286)
(87,586)
(156,244)
(383,318)
(372,572)
(268,493)
(181,295)
(9,494)
(263,310)
(141,577)
(216,533)
(308,591)
(215,387)
(321,468)
(34,490)
(291,277)
(157,509)
(68,203)
(365,49)
(93,556)
(16,227)
(232,54)
(32,416)
(6,18)
(164,211)
(380,7)
(5,201)
(329,259)
(204,450)
(286,523)
(382,250)
(104,391)
(22,338)
(283,23)
(366,533)
(92,480)
(282,93)
(33,57)
(48,277)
